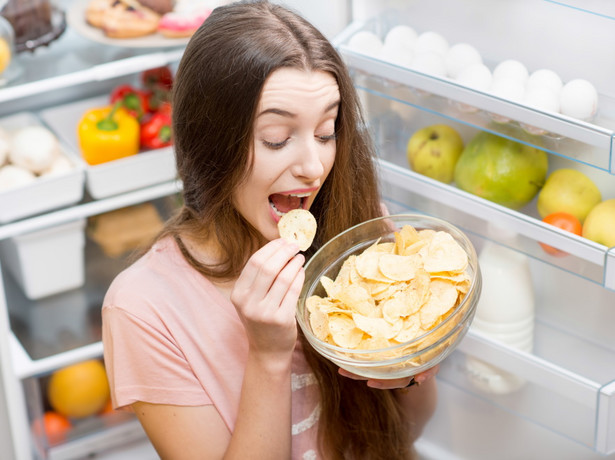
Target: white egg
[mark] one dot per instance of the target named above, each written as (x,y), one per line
(401,36)
(508,88)
(476,76)
(545,78)
(430,63)
(431,41)
(542,98)
(460,56)
(511,69)
(396,54)
(366,42)
(579,99)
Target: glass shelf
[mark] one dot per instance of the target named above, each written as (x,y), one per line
(73,60)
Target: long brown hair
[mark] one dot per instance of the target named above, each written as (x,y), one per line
(217,89)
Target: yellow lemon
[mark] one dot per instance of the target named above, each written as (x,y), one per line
(79,390)
(5,55)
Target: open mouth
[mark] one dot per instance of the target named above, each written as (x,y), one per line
(281,204)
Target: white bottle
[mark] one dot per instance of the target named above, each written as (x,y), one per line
(505,311)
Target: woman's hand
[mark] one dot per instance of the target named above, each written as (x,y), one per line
(394,384)
(265,297)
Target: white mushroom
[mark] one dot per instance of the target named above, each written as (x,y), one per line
(33,148)
(14,176)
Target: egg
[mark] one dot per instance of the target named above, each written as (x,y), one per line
(459,56)
(396,54)
(476,76)
(366,42)
(511,69)
(430,63)
(508,88)
(542,98)
(545,78)
(431,41)
(579,99)
(401,37)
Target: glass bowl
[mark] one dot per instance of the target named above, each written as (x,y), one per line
(402,359)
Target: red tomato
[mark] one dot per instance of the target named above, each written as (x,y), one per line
(565,221)
(55,426)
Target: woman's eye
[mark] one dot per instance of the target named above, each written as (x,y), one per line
(274,145)
(325,139)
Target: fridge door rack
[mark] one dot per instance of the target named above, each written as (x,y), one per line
(591,142)
(585,258)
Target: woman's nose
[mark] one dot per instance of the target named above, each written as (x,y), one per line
(309,162)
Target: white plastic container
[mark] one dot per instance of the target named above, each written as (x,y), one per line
(117,176)
(47,261)
(46,192)
(505,312)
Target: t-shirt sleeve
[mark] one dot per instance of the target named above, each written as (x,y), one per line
(144,363)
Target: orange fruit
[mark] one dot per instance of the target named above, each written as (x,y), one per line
(53,425)
(79,390)
(565,221)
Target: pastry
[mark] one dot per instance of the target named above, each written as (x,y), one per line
(129,19)
(159,6)
(179,24)
(95,11)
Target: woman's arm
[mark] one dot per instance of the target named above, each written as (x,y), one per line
(265,296)
(262,429)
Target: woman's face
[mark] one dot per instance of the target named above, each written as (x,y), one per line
(293,149)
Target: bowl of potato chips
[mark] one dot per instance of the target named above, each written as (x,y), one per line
(390,297)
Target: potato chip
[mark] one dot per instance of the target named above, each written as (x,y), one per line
(298,226)
(393,293)
(443,253)
(399,268)
(443,297)
(377,327)
(343,331)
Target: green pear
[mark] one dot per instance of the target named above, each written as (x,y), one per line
(434,150)
(599,225)
(568,190)
(501,170)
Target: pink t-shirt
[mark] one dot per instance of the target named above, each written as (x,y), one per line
(170,337)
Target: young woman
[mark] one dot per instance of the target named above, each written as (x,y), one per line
(199,333)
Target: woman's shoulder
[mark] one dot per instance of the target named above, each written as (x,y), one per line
(160,277)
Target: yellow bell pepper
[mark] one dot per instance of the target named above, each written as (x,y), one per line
(108,133)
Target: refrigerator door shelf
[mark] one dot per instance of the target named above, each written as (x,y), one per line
(576,406)
(540,38)
(584,258)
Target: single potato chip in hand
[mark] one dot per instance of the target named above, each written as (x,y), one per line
(298,226)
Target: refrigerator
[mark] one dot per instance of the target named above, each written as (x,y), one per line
(553,396)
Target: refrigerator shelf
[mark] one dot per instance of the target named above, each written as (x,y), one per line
(73,61)
(585,258)
(590,142)
(572,398)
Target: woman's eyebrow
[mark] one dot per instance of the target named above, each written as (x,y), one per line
(286,113)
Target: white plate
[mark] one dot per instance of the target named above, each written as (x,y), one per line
(45,193)
(75,17)
(113,177)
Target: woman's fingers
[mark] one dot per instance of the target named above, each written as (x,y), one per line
(393,383)
(262,269)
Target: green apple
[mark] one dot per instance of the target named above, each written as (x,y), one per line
(599,225)
(568,190)
(434,150)
(501,170)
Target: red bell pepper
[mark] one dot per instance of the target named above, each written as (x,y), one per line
(160,77)
(133,100)
(156,131)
